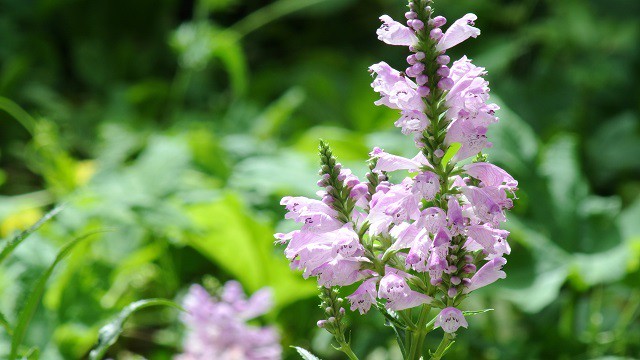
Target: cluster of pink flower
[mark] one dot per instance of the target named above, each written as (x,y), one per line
(217,326)
(434,237)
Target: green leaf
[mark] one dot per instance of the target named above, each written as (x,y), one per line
(278,112)
(32,354)
(515,144)
(476,312)
(34,297)
(305,353)
(5,324)
(451,152)
(110,333)
(11,245)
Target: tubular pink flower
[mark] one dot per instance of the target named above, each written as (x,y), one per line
(364,296)
(394,33)
(459,31)
(488,274)
(450,319)
(399,296)
(491,175)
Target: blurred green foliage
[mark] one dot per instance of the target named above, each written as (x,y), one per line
(180,124)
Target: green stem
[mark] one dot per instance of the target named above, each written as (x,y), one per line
(346,348)
(444,344)
(418,336)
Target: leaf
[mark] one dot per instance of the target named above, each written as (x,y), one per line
(305,353)
(11,245)
(451,152)
(34,297)
(110,333)
(476,312)
(278,112)
(32,354)
(514,142)
(5,324)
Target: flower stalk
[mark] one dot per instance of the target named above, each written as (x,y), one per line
(430,240)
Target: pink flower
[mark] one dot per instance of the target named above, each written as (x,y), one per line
(389,162)
(432,219)
(450,319)
(340,271)
(399,296)
(427,185)
(491,241)
(486,204)
(364,296)
(412,121)
(394,33)
(472,138)
(397,91)
(314,214)
(459,31)
(488,274)
(491,175)
(393,207)
(217,328)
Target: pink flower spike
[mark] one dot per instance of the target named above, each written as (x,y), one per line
(450,319)
(394,33)
(458,32)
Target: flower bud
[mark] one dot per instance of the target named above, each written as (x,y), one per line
(445,83)
(328,309)
(422,79)
(411,59)
(410,15)
(328,199)
(331,320)
(418,68)
(443,71)
(455,280)
(438,153)
(436,34)
(342,311)
(443,59)
(468,258)
(469,268)
(423,91)
(438,21)
(452,292)
(321,323)
(417,25)
(420,56)
(338,167)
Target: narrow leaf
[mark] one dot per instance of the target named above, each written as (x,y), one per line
(110,333)
(31,305)
(32,354)
(11,245)
(451,152)
(475,312)
(306,355)
(5,324)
